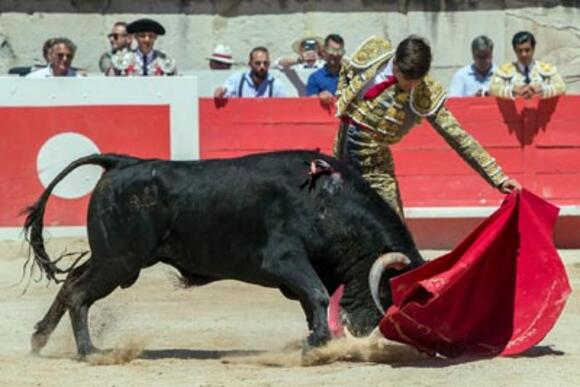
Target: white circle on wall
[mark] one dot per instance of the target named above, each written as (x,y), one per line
(57,153)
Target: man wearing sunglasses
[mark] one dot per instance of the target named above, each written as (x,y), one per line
(323,82)
(60,57)
(145,60)
(120,40)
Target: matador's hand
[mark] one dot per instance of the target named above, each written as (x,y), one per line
(509,186)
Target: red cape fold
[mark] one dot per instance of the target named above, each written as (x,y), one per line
(498,293)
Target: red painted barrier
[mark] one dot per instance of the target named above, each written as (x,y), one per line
(138,130)
(535,141)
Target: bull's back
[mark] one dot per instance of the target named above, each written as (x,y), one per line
(216,216)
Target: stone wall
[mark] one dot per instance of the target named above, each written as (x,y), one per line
(195,26)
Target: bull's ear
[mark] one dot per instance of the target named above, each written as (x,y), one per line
(398,261)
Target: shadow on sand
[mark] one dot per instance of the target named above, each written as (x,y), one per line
(200,354)
(537,351)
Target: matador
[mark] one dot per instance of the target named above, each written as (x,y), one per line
(382,94)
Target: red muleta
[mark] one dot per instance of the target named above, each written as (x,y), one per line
(498,293)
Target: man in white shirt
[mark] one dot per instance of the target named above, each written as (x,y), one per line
(474,79)
(61,57)
(255,83)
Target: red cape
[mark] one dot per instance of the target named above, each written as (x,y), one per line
(498,293)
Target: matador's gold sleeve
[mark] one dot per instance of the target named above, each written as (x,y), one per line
(343,82)
(553,84)
(467,147)
(501,85)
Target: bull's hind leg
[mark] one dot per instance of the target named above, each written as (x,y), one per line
(292,269)
(46,326)
(99,281)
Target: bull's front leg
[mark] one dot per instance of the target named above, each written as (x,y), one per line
(292,269)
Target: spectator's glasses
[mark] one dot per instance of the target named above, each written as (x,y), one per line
(266,63)
(116,36)
(64,55)
(335,51)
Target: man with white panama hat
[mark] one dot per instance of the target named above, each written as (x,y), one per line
(221,58)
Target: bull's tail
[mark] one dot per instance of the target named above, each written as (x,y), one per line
(34,220)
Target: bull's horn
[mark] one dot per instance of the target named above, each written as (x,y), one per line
(386,261)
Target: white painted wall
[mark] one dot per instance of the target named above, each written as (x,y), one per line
(195,27)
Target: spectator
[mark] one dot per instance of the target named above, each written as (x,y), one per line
(221,58)
(119,40)
(309,52)
(526,77)
(474,79)
(323,82)
(60,56)
(145,60)
(255,83)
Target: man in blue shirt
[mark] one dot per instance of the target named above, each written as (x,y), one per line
(323,82)
(474,79)
(254,83)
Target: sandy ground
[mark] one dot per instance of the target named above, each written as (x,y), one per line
(230,333)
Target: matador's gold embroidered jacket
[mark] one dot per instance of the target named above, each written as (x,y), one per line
(544,75)
(391,115)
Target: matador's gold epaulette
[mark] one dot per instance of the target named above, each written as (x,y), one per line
(546,69)
(506,70)
(428,97)
(371,51)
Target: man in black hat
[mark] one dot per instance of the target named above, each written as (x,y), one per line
(145,60)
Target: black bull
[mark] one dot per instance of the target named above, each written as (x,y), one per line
(298,221)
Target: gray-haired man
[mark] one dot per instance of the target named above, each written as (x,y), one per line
(474,79)
(60,57)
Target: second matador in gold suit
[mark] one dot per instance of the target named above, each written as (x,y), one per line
(371,121)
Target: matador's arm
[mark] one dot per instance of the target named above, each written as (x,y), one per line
(467,147)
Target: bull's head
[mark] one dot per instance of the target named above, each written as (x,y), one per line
(364,308)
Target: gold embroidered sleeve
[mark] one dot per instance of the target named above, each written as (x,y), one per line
(501,87)
(467,147)
(343,83)
(554,86)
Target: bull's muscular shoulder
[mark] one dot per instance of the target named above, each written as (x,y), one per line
(506,70)
(546,69)
(370,52)
(427,97)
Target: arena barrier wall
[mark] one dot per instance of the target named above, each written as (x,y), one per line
(536,141)
(47,123)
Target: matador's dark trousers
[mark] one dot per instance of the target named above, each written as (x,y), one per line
(369,153)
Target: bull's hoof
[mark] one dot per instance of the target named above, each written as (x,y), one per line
(84,353)
(313,355)
(37,342)
(315,340)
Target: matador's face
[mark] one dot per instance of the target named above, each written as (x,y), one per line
(403,81)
